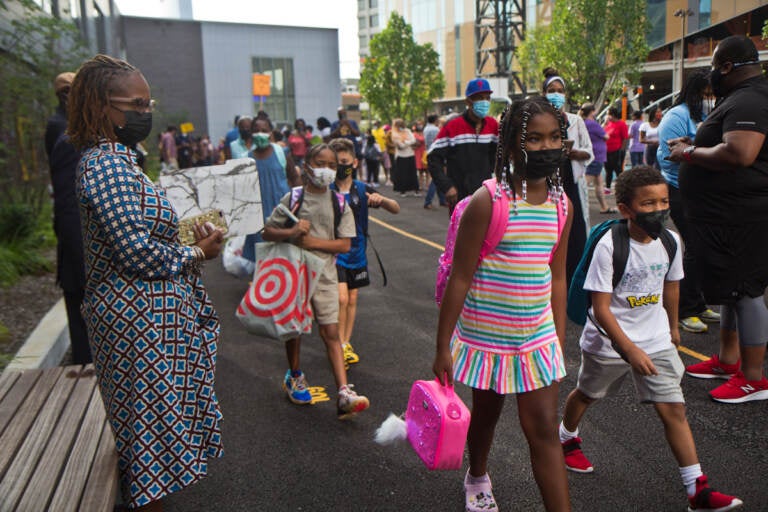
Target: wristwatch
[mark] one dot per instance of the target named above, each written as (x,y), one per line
(688,153)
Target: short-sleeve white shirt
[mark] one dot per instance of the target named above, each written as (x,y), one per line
(637,302)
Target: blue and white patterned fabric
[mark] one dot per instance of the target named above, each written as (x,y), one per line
(151,325)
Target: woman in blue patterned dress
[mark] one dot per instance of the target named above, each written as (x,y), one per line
(152,328)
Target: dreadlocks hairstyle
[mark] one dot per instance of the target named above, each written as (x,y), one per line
(95,81)
(692,92)
(513,127)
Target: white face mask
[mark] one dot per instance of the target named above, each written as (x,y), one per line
(707,105)
(321,176)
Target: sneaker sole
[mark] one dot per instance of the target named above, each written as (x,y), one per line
(359,407)
(757,395)
(736,503)
(577,470)
(694,331)
(709,320)
(723,376)
(293,400)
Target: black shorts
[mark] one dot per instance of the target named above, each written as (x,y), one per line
(354,277)
(732,260)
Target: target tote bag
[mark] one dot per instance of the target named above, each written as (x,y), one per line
(276,304)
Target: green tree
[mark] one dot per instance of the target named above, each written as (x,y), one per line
(596,45)
(401,77)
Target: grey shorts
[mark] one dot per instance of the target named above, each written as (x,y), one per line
(599,376)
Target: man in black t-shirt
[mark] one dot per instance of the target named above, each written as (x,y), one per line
(724,185)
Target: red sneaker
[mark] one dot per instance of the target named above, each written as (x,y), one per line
(574,457)
(712,368)
(707,499)
(738,389)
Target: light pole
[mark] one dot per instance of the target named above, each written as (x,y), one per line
(683,15)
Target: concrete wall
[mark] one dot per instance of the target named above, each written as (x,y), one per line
(228,50)
(169,53)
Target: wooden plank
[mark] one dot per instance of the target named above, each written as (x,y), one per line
(7,378)
(43,482)
(101,490)
(12,398)
(19,410)
(35,441)
(75,475)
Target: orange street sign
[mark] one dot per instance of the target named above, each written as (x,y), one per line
(260,85)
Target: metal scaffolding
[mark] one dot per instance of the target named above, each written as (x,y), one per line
(499,27)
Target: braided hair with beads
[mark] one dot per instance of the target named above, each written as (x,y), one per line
(514,126)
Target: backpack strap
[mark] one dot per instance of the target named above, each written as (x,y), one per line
(337,201)
(620,234)
(497,226)
(669,243)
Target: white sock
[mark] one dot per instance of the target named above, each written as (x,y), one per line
(689,474)
(566,435)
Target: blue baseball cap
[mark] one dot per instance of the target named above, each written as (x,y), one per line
(477,85)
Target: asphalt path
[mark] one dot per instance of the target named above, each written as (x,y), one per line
(284,457)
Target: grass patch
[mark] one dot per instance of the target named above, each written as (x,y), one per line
(26,236)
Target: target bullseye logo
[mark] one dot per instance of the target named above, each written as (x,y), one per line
(274,292)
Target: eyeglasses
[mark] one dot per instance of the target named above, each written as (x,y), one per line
(138,104)
(748,63)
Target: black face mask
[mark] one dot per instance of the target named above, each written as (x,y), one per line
(136,129)
(343,171)
(716,82)
(652,222)
(540,164)
(244,134)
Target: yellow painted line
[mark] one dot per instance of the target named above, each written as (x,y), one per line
(692,353)
(684,350)
(407,234)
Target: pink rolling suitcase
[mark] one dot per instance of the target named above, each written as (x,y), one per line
(437,422)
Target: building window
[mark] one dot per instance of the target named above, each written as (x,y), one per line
(361,5)
(101,29)
(363,42)
(374,20)
(361,23)
(281,102)
(705,13)
(656,12)
(373,4)
(424,15)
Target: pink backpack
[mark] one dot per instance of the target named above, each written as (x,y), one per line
(493,235)
(437,423)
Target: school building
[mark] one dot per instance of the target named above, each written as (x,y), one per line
(479,37)
(201,72)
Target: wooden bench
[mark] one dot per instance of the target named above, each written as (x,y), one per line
(57,452)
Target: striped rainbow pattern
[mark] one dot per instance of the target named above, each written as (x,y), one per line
(505,338)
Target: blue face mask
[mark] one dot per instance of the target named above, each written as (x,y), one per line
(481,107)
(557,99)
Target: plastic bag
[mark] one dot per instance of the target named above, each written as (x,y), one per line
(232,258)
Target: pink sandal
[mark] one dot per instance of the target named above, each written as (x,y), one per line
(479,497)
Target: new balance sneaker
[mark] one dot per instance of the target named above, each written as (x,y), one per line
(479,496)
(693,324)
(707,499)
(350,403)
(350,357)
(296,388)
(712,368)
(575,460)
(738,389)
(709,316)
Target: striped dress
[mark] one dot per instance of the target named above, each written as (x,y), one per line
(505,337)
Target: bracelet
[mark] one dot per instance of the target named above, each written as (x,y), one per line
(196,265)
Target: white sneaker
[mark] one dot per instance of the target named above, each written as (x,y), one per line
(350,403)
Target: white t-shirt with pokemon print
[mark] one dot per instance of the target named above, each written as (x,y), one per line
(637,302)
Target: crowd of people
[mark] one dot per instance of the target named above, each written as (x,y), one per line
(501,326)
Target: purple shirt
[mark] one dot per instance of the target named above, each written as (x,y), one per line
(597,136)
(634,133)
